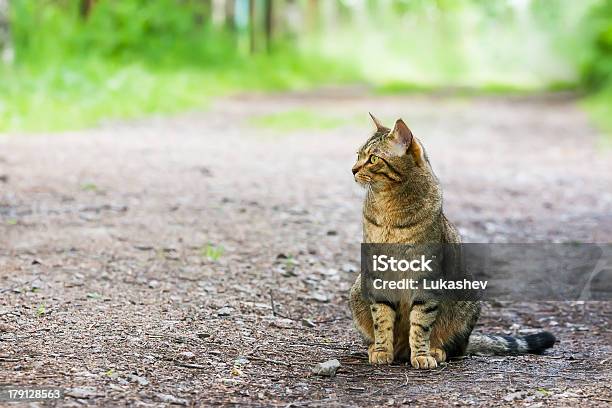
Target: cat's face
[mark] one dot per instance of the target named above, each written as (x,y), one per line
(387,157)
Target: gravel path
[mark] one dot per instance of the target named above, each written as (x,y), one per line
(203,260)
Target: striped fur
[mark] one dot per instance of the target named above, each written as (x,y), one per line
(403,204)
(493,344)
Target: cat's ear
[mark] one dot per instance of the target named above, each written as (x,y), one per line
(405,142)
(377,123)
(401,136)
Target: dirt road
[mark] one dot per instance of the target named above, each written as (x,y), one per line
(203,260)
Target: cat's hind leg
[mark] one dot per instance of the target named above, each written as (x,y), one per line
(362,316)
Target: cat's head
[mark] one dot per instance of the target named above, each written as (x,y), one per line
(389,156)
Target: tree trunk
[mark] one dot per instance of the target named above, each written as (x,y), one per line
(218,12)
(230,9)
(207,11)
(269,24)
(252,28)
(86,7)
(7,52)
(312,15)
(203,12)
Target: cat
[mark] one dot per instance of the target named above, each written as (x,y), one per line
(403,204)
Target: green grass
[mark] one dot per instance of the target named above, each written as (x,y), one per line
(401,87)
(487,88)
(599,108)
(213,253)
(297,119)
(41,310)
(68,98)
(79,94)
(89,187)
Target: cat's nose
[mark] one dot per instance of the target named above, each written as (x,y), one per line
(355,169)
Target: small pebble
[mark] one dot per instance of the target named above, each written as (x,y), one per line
(187,354)
(327,369)
(225,311)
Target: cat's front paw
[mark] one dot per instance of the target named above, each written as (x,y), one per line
(380,356)
(423,361)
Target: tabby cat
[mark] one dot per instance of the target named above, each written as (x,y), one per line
(403,204)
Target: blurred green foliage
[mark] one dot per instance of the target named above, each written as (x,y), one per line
(597,68)
(298,119)
(597,64)
(77,94)
(162,33)
(135,57)
(128,58)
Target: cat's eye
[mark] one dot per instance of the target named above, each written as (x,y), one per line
(373,159)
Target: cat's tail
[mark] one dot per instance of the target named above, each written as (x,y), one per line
(497,344)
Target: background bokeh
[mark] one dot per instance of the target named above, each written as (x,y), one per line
(69,64)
